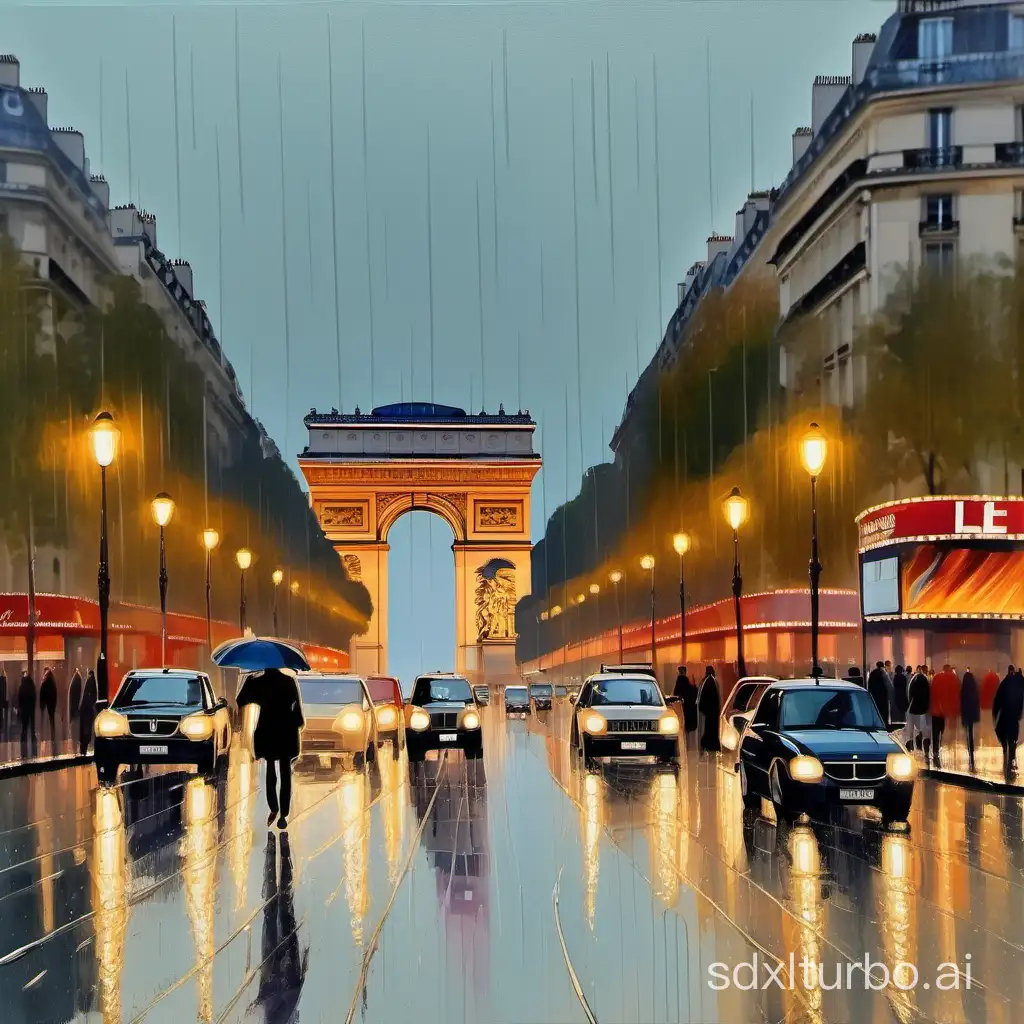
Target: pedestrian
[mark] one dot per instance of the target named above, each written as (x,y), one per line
(709,707)
(27,707)
(276,739)
(3,702)
(687,694)
(87,712)
(880,688)
(899,698)
(970,711)
(918,729)
(854,676)
(945,704)
(989,685)
(888,669)
(74,700)
(48,700)
(1007,708)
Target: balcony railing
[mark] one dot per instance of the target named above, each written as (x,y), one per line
(944,226)
(844,271)
(930,159)
(1011,153)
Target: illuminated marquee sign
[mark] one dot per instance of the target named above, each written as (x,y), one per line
(942,518)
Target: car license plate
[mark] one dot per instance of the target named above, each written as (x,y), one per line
(152,748)
(448,737)
(633,745)
(856,794)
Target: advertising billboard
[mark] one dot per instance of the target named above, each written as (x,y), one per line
(941,518)
(938,580)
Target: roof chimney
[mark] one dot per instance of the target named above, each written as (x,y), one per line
(717,244)
(72,143)
(862,47)
(825,94)
(37,97)
(10,70)
(101,188)
(125,222)
(801,140)
(183,272)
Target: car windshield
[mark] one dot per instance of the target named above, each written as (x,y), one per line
(542,690)
(331,691)
(561,691)
(626,691)
(824,708)
(381,689)
(140,691)
(515,693)
(429,690)
(741,699)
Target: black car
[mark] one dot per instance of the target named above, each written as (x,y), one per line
(517,700)
(542,695)
(162,716)
(814,747)
(442,713)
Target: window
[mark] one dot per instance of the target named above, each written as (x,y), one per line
(940,135)
(880,587)
(934,38)
(768,710)
(1017,32)
(938,213)
(454,689)
(940,257)
(624,691)
(143,691)
(824,708)
(331,691)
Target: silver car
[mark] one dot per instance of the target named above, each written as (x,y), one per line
(620,715)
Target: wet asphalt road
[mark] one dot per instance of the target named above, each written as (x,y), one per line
(522,889)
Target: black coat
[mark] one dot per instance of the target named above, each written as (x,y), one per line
(687,693)
(277,729)
(970,700)
(1008,704)
(3,690)
(919,695)
(26,696)
(899,692)
(87,709)
(75,694)
(709,704)
(48,691)
(878,687)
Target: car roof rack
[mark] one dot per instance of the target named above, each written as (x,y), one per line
(630,668)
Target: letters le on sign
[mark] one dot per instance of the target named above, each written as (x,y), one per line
(990,524)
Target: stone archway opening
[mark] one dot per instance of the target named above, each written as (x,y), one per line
(365,471)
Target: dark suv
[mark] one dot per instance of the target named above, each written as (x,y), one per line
(442,712)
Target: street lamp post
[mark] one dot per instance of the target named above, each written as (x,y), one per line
(580,598)
(293,590)
(813,452)
(243,558)
(162,507)
(104,438)
(648,563)
(211,538)
(681,542)
(736,511)
(278,577)
(595,593)
(616,577)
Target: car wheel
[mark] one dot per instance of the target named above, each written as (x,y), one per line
(207,763)
(475,751)
(585,750)
(371,752)
(751,801)
(106,771)
(895,811)
(782,813)
(414,749)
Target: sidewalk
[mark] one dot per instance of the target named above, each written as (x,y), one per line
(42,756)
(988,771)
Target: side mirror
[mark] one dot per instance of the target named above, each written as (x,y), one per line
(739,723)
(102,705)
(221,703)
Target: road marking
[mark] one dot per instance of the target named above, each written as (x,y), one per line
(577,987)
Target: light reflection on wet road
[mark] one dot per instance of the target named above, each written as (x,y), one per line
(426,895)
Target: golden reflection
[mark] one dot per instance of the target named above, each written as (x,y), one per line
(801,935)
(110,909)
(355,843)
(389,765)
(41,803)
(240,796)
(199,849)
(665,837)
(250,713)
(593,810)
(898,921)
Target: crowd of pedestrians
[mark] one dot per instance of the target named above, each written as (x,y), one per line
(924,703)
(59,716)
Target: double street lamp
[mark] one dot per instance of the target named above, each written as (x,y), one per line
(162,507)
(813,452)
(104,437)
(736,510)
(211,538)
(681,543)
(278,577)
(647,563)
(616,577)
(243,558)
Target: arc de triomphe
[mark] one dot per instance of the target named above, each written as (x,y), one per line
(474,471)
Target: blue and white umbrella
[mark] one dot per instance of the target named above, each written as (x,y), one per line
(252,653)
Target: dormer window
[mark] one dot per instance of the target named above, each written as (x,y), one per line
(934,38)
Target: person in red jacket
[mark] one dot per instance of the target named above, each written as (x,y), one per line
(945,704)
(989,685)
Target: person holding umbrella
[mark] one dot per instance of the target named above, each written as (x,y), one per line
(272,687)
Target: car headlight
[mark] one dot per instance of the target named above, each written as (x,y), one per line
(197,727)
(806,769)
(110,723)
(387,716)
(668,725)
(594,723)
(349,721)
(419,720)
(470,720)
(730,737)
(900,766)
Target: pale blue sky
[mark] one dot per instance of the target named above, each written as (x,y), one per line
(428,68)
